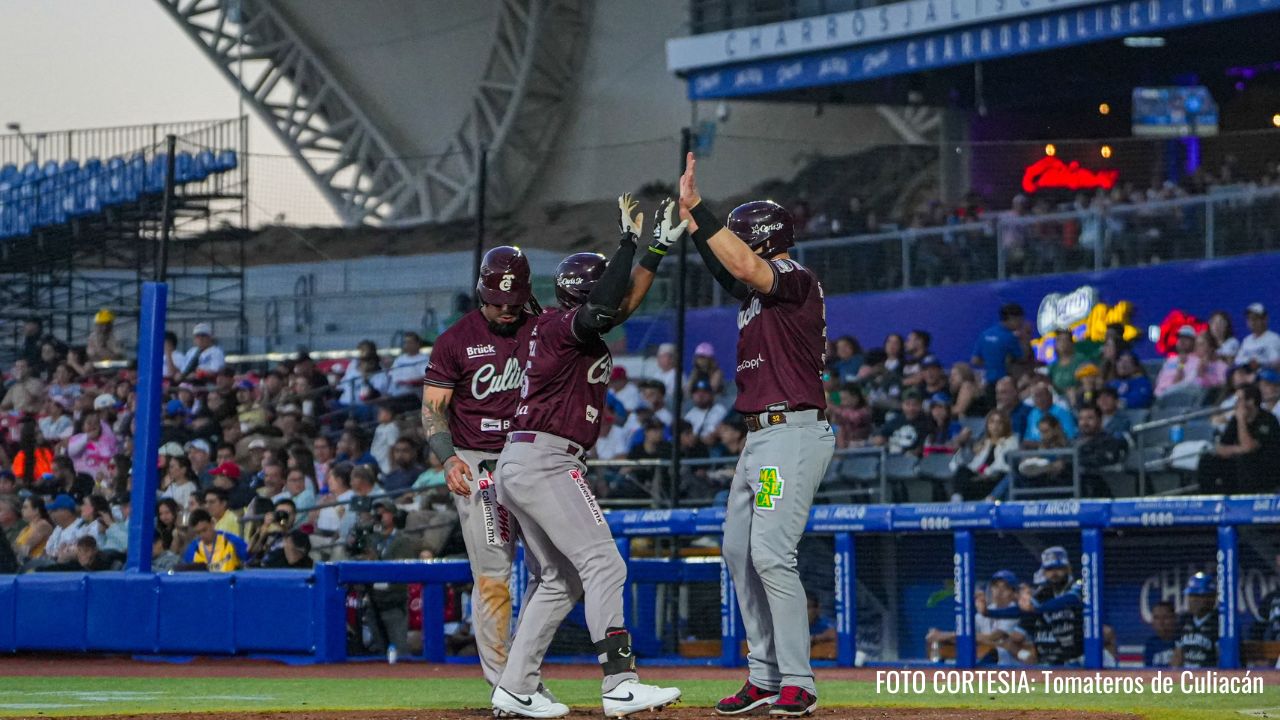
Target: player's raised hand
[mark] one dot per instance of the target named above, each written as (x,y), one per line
(666,231)
(457,476)
(689,195)
(630,219)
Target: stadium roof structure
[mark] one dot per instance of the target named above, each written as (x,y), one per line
(389,107)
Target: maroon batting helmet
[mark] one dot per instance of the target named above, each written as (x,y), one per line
(764,225)
(504,277)
(576,275)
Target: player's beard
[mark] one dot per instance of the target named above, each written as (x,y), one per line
(507,329)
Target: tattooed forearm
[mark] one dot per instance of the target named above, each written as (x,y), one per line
(435,423)
(433,419)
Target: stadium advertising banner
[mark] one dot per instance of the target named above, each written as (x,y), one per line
(1061,28)
(827,32)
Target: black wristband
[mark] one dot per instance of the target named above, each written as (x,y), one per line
(651,260)
(706,219)
(441,444)
(702,235)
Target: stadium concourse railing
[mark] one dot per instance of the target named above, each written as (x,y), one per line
(302,614)
(1229,220)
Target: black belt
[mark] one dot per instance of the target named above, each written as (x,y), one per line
(534,438)
(757,421)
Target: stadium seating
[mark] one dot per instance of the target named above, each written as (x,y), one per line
(36,196)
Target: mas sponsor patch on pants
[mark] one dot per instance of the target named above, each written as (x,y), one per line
(770,488)
(581,481)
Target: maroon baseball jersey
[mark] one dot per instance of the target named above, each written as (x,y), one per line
(782,343)
(565,380)
(483,370)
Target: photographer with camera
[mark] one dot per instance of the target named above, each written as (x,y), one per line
(268,543)
(294,554)
(379,535)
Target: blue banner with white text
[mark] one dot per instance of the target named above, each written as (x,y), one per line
(1020,36)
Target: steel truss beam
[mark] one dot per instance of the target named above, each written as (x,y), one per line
(515,111)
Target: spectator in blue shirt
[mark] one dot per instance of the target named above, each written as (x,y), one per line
(848,359)
(1131,383)
(1158,650)
(1114,422)
(820,629)
(997,345)
(1042,397)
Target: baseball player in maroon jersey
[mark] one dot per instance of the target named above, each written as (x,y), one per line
(470,394)
(782,340)
(542,476)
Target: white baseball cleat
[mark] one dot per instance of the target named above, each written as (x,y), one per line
(508,704)
(633,697)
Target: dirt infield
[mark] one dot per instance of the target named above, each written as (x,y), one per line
(677,713)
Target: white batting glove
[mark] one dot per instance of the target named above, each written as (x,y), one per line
(666,232)
(630,221)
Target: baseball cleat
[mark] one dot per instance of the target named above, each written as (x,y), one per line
(633,697)
(794,702)
(544,690)
(507,704)
(749,698)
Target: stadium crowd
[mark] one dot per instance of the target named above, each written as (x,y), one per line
(974,426)
(1128,224)
(309,461)
(280,460)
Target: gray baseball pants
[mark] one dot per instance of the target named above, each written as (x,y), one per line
(490,533)
(773,487)
(545,487)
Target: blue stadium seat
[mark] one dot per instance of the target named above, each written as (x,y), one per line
(113,192)
(91,180)
(155,173)
(30,172)
(47,192)
(183,168)
(227,160)
(205,164)
(8,211)
(135,177)
(50,169)
(9,174)
(26,202)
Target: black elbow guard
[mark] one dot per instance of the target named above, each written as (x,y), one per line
(597,319)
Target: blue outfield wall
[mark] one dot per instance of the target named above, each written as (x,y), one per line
(956,314)
(1128,553)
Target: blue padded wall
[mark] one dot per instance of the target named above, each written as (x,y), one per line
(196,611)
(122,612)
(274,611)
(52,608)
(8,613)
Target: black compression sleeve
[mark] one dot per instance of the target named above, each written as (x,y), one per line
(612,285)
(602,304)
(734,286)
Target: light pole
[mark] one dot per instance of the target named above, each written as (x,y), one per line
(17,127)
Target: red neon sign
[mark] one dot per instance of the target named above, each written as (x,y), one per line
(1050,172)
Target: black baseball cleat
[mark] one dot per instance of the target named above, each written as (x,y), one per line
(794,702)
(745,700)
